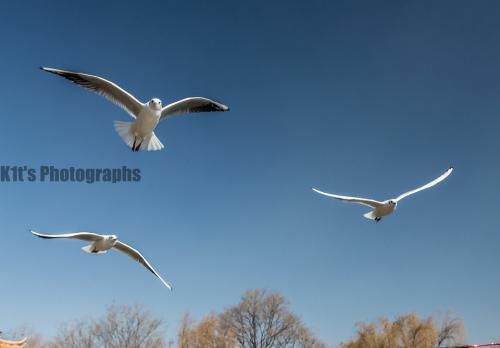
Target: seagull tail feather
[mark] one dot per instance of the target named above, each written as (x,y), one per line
(90,249)
(123,130)
(154,144)
(370,215)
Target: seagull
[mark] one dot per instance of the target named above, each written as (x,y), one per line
(385,208)
(100,244)
(138,135)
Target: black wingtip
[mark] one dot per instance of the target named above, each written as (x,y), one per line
(36,234)
(49,69)
(46,69)
(221,107)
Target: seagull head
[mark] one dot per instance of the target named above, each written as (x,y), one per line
(392,202)
(155,104)
(113,237)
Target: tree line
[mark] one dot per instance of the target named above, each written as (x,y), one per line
(261,319)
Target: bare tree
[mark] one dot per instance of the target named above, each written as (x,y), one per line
(407,331)
(78,334)
(452,331)
(263,320)
(121,327)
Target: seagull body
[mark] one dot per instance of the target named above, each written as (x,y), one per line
(100,244)
(139,135)
(147,120)
(381,209)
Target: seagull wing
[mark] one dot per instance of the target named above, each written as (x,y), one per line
(192,104)
(107,89)
(137,256)
(369,202)
(86,236)
(426,186)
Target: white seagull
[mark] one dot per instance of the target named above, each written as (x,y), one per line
(385,208)
(101,244)
(139,135)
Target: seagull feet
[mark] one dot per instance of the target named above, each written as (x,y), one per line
(378,218)
(136,147)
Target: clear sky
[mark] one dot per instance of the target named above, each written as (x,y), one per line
(353,97)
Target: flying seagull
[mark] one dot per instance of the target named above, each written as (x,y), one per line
(100,244)
(139,135)
(385,208)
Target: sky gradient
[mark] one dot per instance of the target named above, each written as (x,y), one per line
(352,97)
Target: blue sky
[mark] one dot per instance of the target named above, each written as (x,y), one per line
(353,97)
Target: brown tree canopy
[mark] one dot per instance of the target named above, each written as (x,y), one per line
(260,320)
(407,331)
(210,332)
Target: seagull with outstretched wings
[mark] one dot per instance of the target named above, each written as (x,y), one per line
(139,135)
(100,244)
(381,209)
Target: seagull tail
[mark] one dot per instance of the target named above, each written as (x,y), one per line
(153,144)
(123,130)
(90,249)
(371,215)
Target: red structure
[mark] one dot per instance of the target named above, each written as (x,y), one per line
(492,344)
(12,344)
